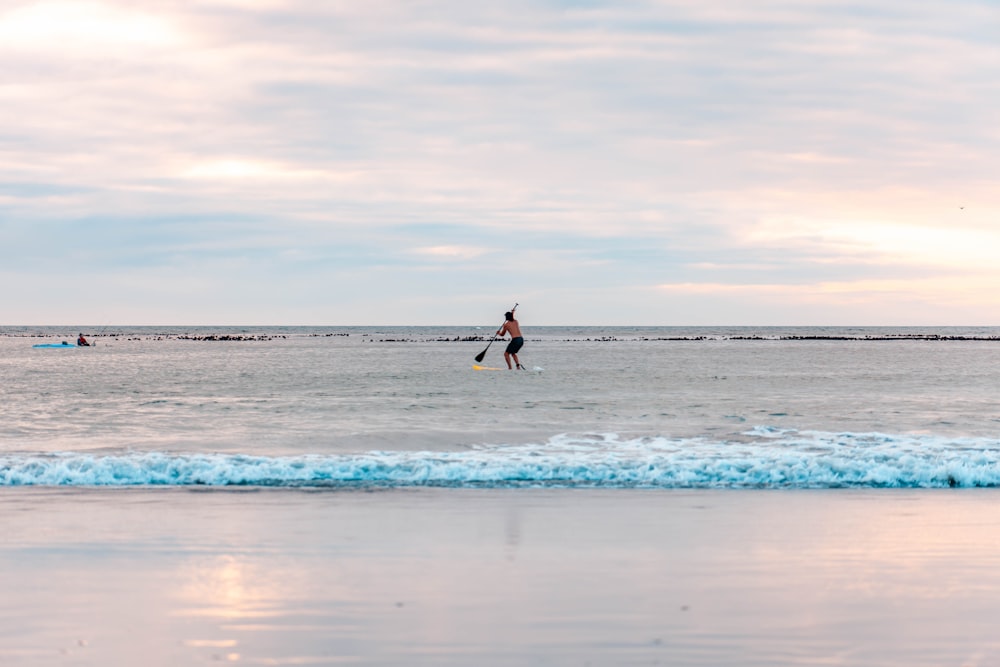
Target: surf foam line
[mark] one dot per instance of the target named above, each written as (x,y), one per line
(766,458)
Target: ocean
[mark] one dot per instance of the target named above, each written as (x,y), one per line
(601,408)
(637,496)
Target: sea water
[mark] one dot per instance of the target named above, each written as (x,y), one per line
(373,407)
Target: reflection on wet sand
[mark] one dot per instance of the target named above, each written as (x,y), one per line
(458,577)
(222,587)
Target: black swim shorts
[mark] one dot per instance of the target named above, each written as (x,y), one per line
(515,345)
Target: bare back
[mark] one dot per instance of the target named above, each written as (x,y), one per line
(511,327)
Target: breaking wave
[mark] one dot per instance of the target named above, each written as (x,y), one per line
(762,458)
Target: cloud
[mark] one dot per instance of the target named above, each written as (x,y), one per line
(451,251)
(71,28)
(585,149)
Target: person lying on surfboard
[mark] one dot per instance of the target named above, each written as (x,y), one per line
(516,340)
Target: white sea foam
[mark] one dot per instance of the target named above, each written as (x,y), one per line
(764,458)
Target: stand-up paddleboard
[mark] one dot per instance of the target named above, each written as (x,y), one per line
(56,346)
(477,367)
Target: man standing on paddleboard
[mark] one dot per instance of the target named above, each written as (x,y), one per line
(516,340)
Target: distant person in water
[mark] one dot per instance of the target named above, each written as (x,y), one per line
(516,340)
(82,342)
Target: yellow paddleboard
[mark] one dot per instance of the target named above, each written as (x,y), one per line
(477,367)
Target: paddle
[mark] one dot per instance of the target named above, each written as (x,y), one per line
(479,357)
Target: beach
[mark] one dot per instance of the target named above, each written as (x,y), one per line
(640,496)
(499,577)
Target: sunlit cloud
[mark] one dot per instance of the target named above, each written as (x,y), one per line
(68,26)
(236,169)
(925,246)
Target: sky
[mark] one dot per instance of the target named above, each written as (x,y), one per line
(425,162)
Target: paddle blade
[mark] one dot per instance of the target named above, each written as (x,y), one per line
(479,357)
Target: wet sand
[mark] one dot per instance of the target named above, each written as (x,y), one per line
(499,577)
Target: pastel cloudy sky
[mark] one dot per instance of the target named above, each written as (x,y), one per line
(433,161)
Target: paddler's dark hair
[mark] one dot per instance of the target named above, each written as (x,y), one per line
(509,315)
